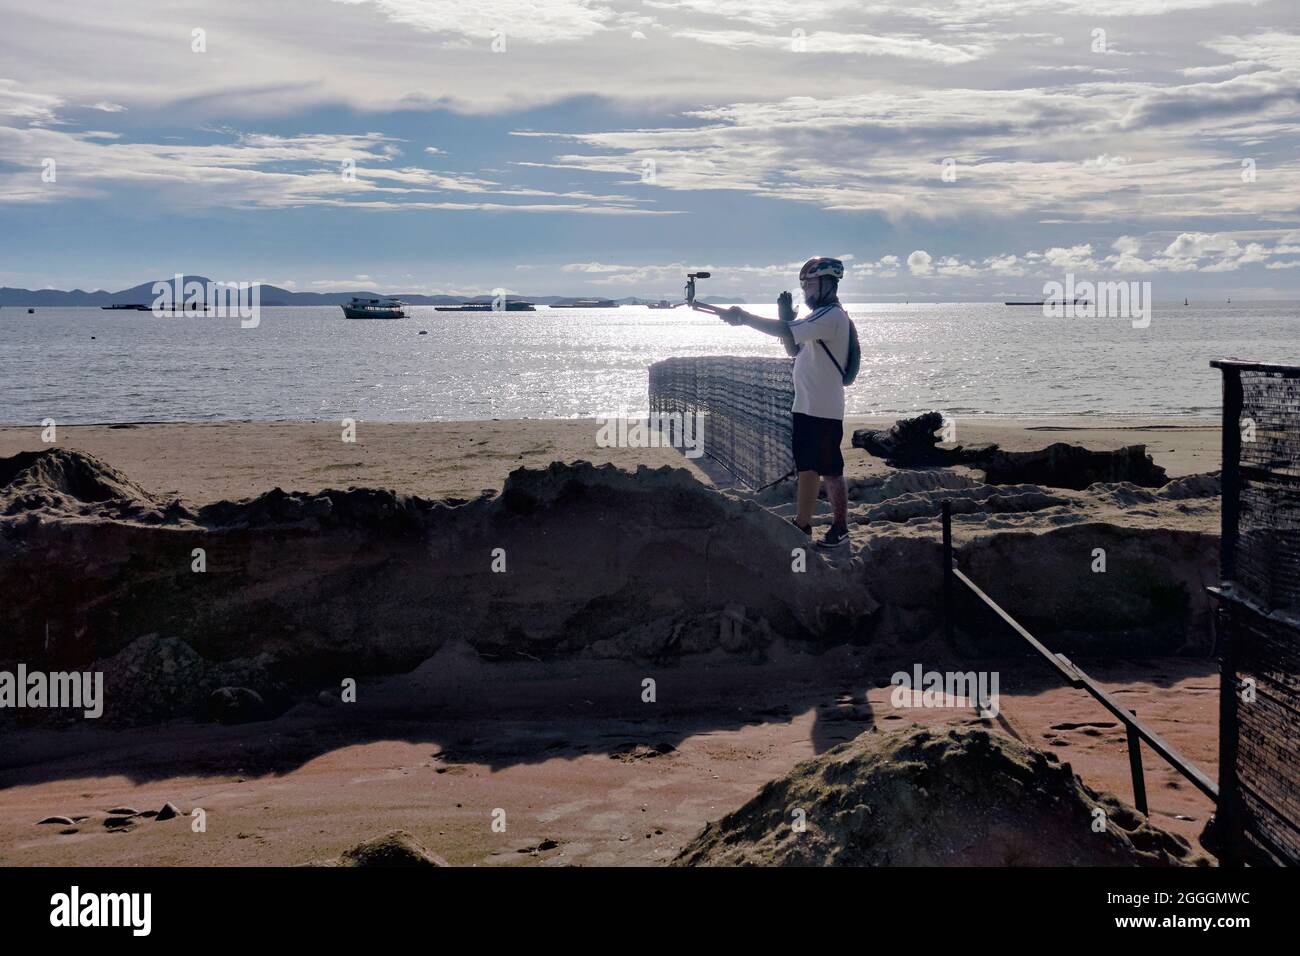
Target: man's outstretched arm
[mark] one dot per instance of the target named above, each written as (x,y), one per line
(777,327)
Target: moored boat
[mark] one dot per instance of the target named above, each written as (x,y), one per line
(360,308)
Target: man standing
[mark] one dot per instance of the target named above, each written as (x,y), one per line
(819,343)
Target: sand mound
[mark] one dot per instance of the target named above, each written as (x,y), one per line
(977,499)
(963,797)
(287,592)
(1125,494)
(567,561)
(64,480)
(398,848)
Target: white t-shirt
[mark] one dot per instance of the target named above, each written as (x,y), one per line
(818,385)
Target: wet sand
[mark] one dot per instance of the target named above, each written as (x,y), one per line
(569,752)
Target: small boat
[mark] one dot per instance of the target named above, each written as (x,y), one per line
(360,308)
(1047,302)
(31,311)
(133,307)
(663,304)
(487,307)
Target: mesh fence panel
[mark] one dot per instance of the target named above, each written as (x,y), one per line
(1263,619)
(1268,532)
(1268,729)
(744,404)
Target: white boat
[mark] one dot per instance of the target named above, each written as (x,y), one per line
(360,308)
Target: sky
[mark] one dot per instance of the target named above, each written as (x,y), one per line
(944,149)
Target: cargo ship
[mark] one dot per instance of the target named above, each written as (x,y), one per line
(585,304)
(508,306)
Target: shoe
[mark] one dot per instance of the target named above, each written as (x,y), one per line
(805,528)
(834,539)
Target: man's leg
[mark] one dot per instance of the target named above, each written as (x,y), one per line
(838,494)
(806,497)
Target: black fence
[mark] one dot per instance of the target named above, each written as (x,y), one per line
(744,407)
(1259,614)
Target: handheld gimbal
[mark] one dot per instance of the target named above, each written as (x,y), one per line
(690,294)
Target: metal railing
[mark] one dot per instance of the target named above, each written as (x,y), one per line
(1071,674)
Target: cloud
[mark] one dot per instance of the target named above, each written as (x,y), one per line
(19,104)
(824,42)
(1063,157)
(257,170)
(551,21)
(1026,152)
(1189,252)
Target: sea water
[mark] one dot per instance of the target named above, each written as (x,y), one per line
(89,365)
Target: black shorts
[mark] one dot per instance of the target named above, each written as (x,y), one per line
(817,445)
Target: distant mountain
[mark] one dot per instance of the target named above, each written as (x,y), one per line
(271,296)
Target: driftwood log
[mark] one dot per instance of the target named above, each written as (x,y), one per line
(913,442)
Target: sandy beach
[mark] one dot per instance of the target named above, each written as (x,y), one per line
(585,773)
(585,778)
(230,460)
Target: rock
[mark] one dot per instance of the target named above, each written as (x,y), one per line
(632,752)
(169,811)
(120,823)
(919,797)
(65,821)
(736,633)
(236,705)
(546,844)
(124,812)
(157,678)
(395,849)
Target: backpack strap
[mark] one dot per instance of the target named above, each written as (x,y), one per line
(831,356)
(822,342)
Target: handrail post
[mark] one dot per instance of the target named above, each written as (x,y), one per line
(948,624)
(1135,766)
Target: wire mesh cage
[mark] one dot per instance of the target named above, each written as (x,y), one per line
(1259,765)
(744,407)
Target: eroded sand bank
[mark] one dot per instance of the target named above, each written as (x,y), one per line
(534,702)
